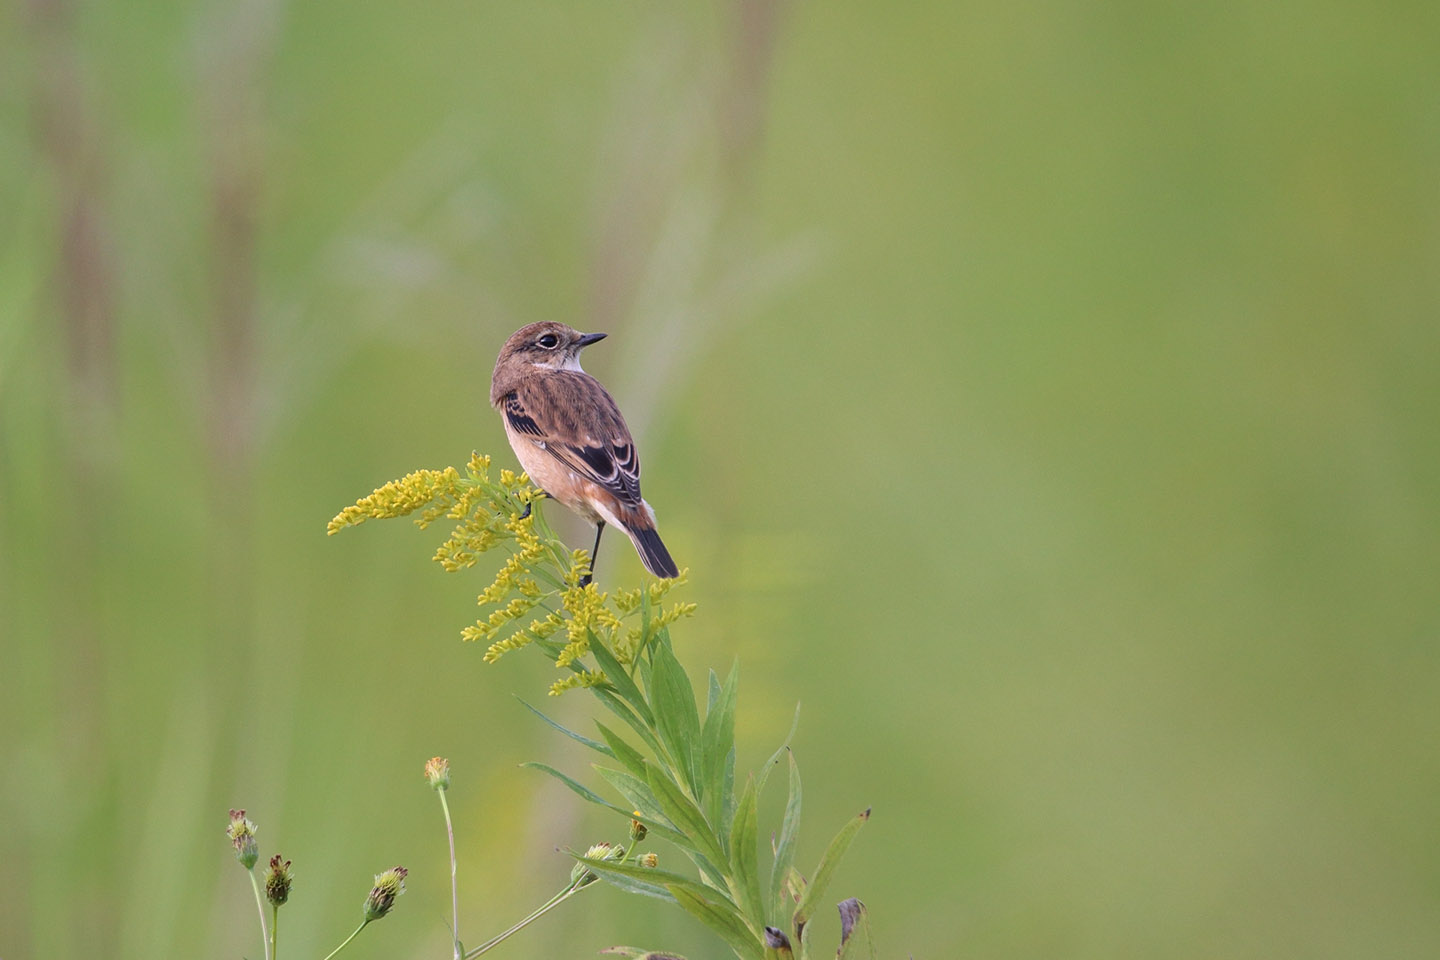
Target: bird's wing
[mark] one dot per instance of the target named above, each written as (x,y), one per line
(572,417)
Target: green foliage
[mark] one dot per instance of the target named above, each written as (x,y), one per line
(679,780)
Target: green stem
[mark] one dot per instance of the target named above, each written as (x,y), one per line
(348,939)
(549,905)
(274,928)
(260,908)
(454,884)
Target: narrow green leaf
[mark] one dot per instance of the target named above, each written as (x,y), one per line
(682,812)
(712,693)
(676,717)
(638,794)
(661,880)
(717,750)
(764,772)
(725,923)
(578,738)
(855,942)
(635,953)
(820,879)
(620,680)
(617,706)
(633,760)
(785,847)
(744,861)
(573,785)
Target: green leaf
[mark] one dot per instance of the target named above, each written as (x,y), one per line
(633,760)
(725,923)
(578,738)
(682,812)
(661,880)
(744,860)
(635,953)
(764,772)
(785,847)
(717,750)
(820,879)
(639,796)
(620,680)
(573,785)
(676,717)
(855,942)
(617,706)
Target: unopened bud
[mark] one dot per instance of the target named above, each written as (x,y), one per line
(277,881)
(649,860)
(388,886)
(242,837)
(776,940)
(437,771)
(637,829)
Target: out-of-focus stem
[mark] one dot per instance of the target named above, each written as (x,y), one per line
(346,942)
(454,884)
(545,908)
(260,908)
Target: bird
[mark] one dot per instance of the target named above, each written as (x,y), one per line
(571,438)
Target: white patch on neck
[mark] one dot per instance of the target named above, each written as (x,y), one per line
(572,363)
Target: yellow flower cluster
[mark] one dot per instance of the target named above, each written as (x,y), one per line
(539,576)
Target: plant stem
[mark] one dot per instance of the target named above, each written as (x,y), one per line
(549,905)
(454,884)
(274,928)
(260,908)
(348,939)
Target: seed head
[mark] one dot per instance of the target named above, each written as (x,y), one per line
(388,886)
(242,837)
(437,771)
(600,851)
(277,881)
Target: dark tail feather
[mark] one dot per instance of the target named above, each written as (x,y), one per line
(652,551)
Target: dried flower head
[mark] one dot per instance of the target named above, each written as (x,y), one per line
(388,886)
(437,771)
(637,829)
(599,851)
(242,837)
(277,881)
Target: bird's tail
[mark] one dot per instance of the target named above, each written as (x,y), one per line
(651,549)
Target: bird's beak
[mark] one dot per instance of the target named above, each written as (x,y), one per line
(590,338)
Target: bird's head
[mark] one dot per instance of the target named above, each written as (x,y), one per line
(538,347)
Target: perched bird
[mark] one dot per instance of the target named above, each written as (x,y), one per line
(570,437)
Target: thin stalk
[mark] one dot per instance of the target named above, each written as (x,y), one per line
(347,940)
(274,928)
(549,905)
(454,884)
(260,908)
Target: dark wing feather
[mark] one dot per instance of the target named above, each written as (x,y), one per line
(581,427)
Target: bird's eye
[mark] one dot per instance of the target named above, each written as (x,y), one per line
(549,341)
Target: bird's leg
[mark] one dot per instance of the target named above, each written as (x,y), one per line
(594,552)
(531,505)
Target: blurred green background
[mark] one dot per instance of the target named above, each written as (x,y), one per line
(1043,394)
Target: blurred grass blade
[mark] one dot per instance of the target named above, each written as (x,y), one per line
(725,923)
(584,792)
(744,860)
(825,871)
(785,847)
(855,942)
(717,750)
(676,716)
(578,738)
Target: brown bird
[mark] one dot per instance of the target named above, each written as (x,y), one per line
(570,437)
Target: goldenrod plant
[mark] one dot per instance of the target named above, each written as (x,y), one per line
(674,769)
